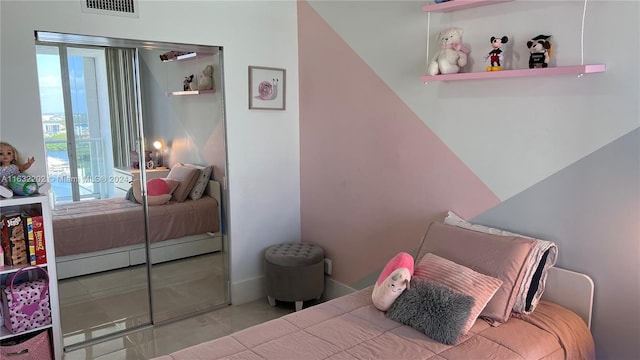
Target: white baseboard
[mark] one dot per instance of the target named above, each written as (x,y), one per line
(248,290)
(253,289)
(334,289)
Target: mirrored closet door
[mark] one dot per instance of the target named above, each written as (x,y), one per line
(136,156)
(184,110)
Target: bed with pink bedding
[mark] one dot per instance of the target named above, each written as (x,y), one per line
(106,234)
(350,327)
(95,225)
(553,326)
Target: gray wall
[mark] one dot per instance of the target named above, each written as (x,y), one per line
(591,209)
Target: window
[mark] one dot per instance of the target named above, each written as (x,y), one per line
(75,119)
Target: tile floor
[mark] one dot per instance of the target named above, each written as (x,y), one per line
(165,339)
(92,305)
(98,304)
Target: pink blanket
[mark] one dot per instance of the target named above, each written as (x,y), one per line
(95,225)
(350,327)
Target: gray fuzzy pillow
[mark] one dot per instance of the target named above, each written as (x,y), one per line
(433,309)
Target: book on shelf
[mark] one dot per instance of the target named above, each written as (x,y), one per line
(40,248)
(35,233)
(30,235)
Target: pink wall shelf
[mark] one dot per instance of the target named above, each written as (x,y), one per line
(559,70)
(455,5)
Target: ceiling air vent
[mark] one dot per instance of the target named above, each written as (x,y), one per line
(111,7)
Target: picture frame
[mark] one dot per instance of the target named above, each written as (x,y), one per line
(267,88)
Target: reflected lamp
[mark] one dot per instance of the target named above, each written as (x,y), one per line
(159,155)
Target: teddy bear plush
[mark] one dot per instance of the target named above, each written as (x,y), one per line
(451,56)
(205,82)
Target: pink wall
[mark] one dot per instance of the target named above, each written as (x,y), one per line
(372,174)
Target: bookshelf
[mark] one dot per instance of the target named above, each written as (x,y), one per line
(42,205)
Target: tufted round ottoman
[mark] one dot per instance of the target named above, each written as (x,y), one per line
(294,272)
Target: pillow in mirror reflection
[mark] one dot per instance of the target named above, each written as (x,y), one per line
(157,187)
(151,199)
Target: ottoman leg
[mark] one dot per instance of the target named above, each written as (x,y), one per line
(272,301)
(299,305)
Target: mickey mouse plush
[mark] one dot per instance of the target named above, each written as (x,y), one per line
(540,51)
(495,55)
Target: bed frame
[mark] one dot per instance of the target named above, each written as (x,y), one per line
(572,290)
(121,257)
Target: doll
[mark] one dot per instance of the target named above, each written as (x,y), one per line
(495,55)
(11,166)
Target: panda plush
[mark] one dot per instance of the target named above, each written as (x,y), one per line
(540,51)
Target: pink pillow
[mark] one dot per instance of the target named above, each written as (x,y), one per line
(157,187)
(173,184)
(151,199)
(501,257)
(393,280)
(542,256)
(461,279)
(187,176)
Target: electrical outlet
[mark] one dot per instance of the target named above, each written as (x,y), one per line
(328,266)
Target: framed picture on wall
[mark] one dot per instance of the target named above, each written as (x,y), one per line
(267,88)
